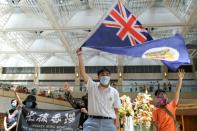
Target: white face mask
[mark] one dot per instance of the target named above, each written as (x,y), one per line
(104,80)
(13,105)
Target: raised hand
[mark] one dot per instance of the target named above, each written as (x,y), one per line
(67,87)
(181,74)
(79,50)
(15,88)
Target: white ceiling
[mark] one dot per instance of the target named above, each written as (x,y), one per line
(48,32)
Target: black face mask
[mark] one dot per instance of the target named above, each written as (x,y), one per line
(28,104)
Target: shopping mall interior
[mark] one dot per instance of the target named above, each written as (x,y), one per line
(39,39)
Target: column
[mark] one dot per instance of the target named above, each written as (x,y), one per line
(36,75)
(164,72)
(1,70)
(120,75)
(194,67)
(77,76)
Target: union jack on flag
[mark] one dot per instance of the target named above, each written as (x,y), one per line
(127,25)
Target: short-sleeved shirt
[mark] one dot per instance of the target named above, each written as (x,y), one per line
(163,120)
(101,102)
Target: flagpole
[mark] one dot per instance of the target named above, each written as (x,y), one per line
(99,23)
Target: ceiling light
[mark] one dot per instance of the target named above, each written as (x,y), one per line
(61,1)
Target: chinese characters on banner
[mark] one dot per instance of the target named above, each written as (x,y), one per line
(48,120)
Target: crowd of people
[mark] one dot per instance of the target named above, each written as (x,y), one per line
(100,105)
(57,93)
(150,86)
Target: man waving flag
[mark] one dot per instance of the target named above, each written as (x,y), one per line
(121,33)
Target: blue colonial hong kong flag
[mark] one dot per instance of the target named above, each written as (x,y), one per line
(121,33)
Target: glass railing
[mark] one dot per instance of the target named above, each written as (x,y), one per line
(133,89)
(57,91)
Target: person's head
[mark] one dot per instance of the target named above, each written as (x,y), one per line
(160,98)
(14,103)
(30,101)
(104,76)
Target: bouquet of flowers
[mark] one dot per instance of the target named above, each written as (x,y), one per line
(126,109)
(126,113)
(143,110)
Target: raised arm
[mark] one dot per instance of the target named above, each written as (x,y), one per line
(76,103)
(180,75)
(17,97)
(81,65)
(5,123)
